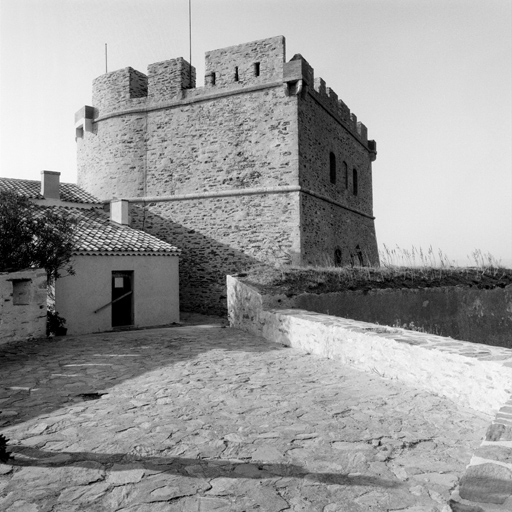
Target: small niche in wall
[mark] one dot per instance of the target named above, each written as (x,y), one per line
(256,69)
(21,292)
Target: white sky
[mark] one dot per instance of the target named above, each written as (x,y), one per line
(432,80)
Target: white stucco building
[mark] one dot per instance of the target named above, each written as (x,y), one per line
(123,278)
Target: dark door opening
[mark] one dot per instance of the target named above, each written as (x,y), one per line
(122,299)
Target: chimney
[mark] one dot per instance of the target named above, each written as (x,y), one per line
(50,184)
(119,211)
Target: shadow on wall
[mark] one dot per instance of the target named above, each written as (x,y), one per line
(204,262)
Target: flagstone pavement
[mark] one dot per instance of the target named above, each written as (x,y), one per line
(202,417)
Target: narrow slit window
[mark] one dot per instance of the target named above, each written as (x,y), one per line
(256,69)
(354,181)
(332,167)
(360,255)
(345,174)
(214,77)
(236,74)
(337,257)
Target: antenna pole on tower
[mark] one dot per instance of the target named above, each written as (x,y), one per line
(190,39)
(106,66)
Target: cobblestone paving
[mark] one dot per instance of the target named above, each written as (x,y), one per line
(206,418)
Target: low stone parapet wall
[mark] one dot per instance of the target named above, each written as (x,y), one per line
(465,313)
(471,374)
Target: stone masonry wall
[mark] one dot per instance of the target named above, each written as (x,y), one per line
(259,123)
(167,79)
(22,305)
(268,53)
(327,227)
(219,235)
(222,144)
(112,158)
(319,135)
(113,90)
(471,314)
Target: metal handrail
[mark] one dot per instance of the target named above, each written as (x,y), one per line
(112,302)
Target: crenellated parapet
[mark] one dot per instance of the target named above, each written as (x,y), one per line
(167,79)
(245,64)
(299,78)
(232,69)
(112,91)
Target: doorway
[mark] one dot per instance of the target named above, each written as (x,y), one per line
(122,298)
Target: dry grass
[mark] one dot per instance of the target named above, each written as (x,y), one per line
(399,268)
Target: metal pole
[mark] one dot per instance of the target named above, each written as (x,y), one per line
(106,67)
(190,38)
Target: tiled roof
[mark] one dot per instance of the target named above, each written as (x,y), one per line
(96,235)
(31,189)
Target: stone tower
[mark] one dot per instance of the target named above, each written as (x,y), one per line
(263,163)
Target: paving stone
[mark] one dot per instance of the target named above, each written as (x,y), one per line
(499,453)
(121,474)
(202,418)
(498,432)
(487,483)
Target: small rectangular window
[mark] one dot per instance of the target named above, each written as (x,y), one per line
(256,69)
(213,78)
(21,292)
(236,74)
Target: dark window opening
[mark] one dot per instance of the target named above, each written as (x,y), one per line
(345,174)
(213,78)
(21,292)
(256,69)
(337,257)
(354,181)
(332,167)
(236,74)
(360,255)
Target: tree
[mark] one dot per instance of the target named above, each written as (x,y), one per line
(32,236)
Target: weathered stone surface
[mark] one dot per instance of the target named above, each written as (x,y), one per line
(314,425)
(499,453)
(154,136)
(440,364)
(121,474)
(22,305)
(498,432)
(487,483)
(455,506)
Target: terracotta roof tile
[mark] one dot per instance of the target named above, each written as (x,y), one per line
(96,234)
(31,189)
